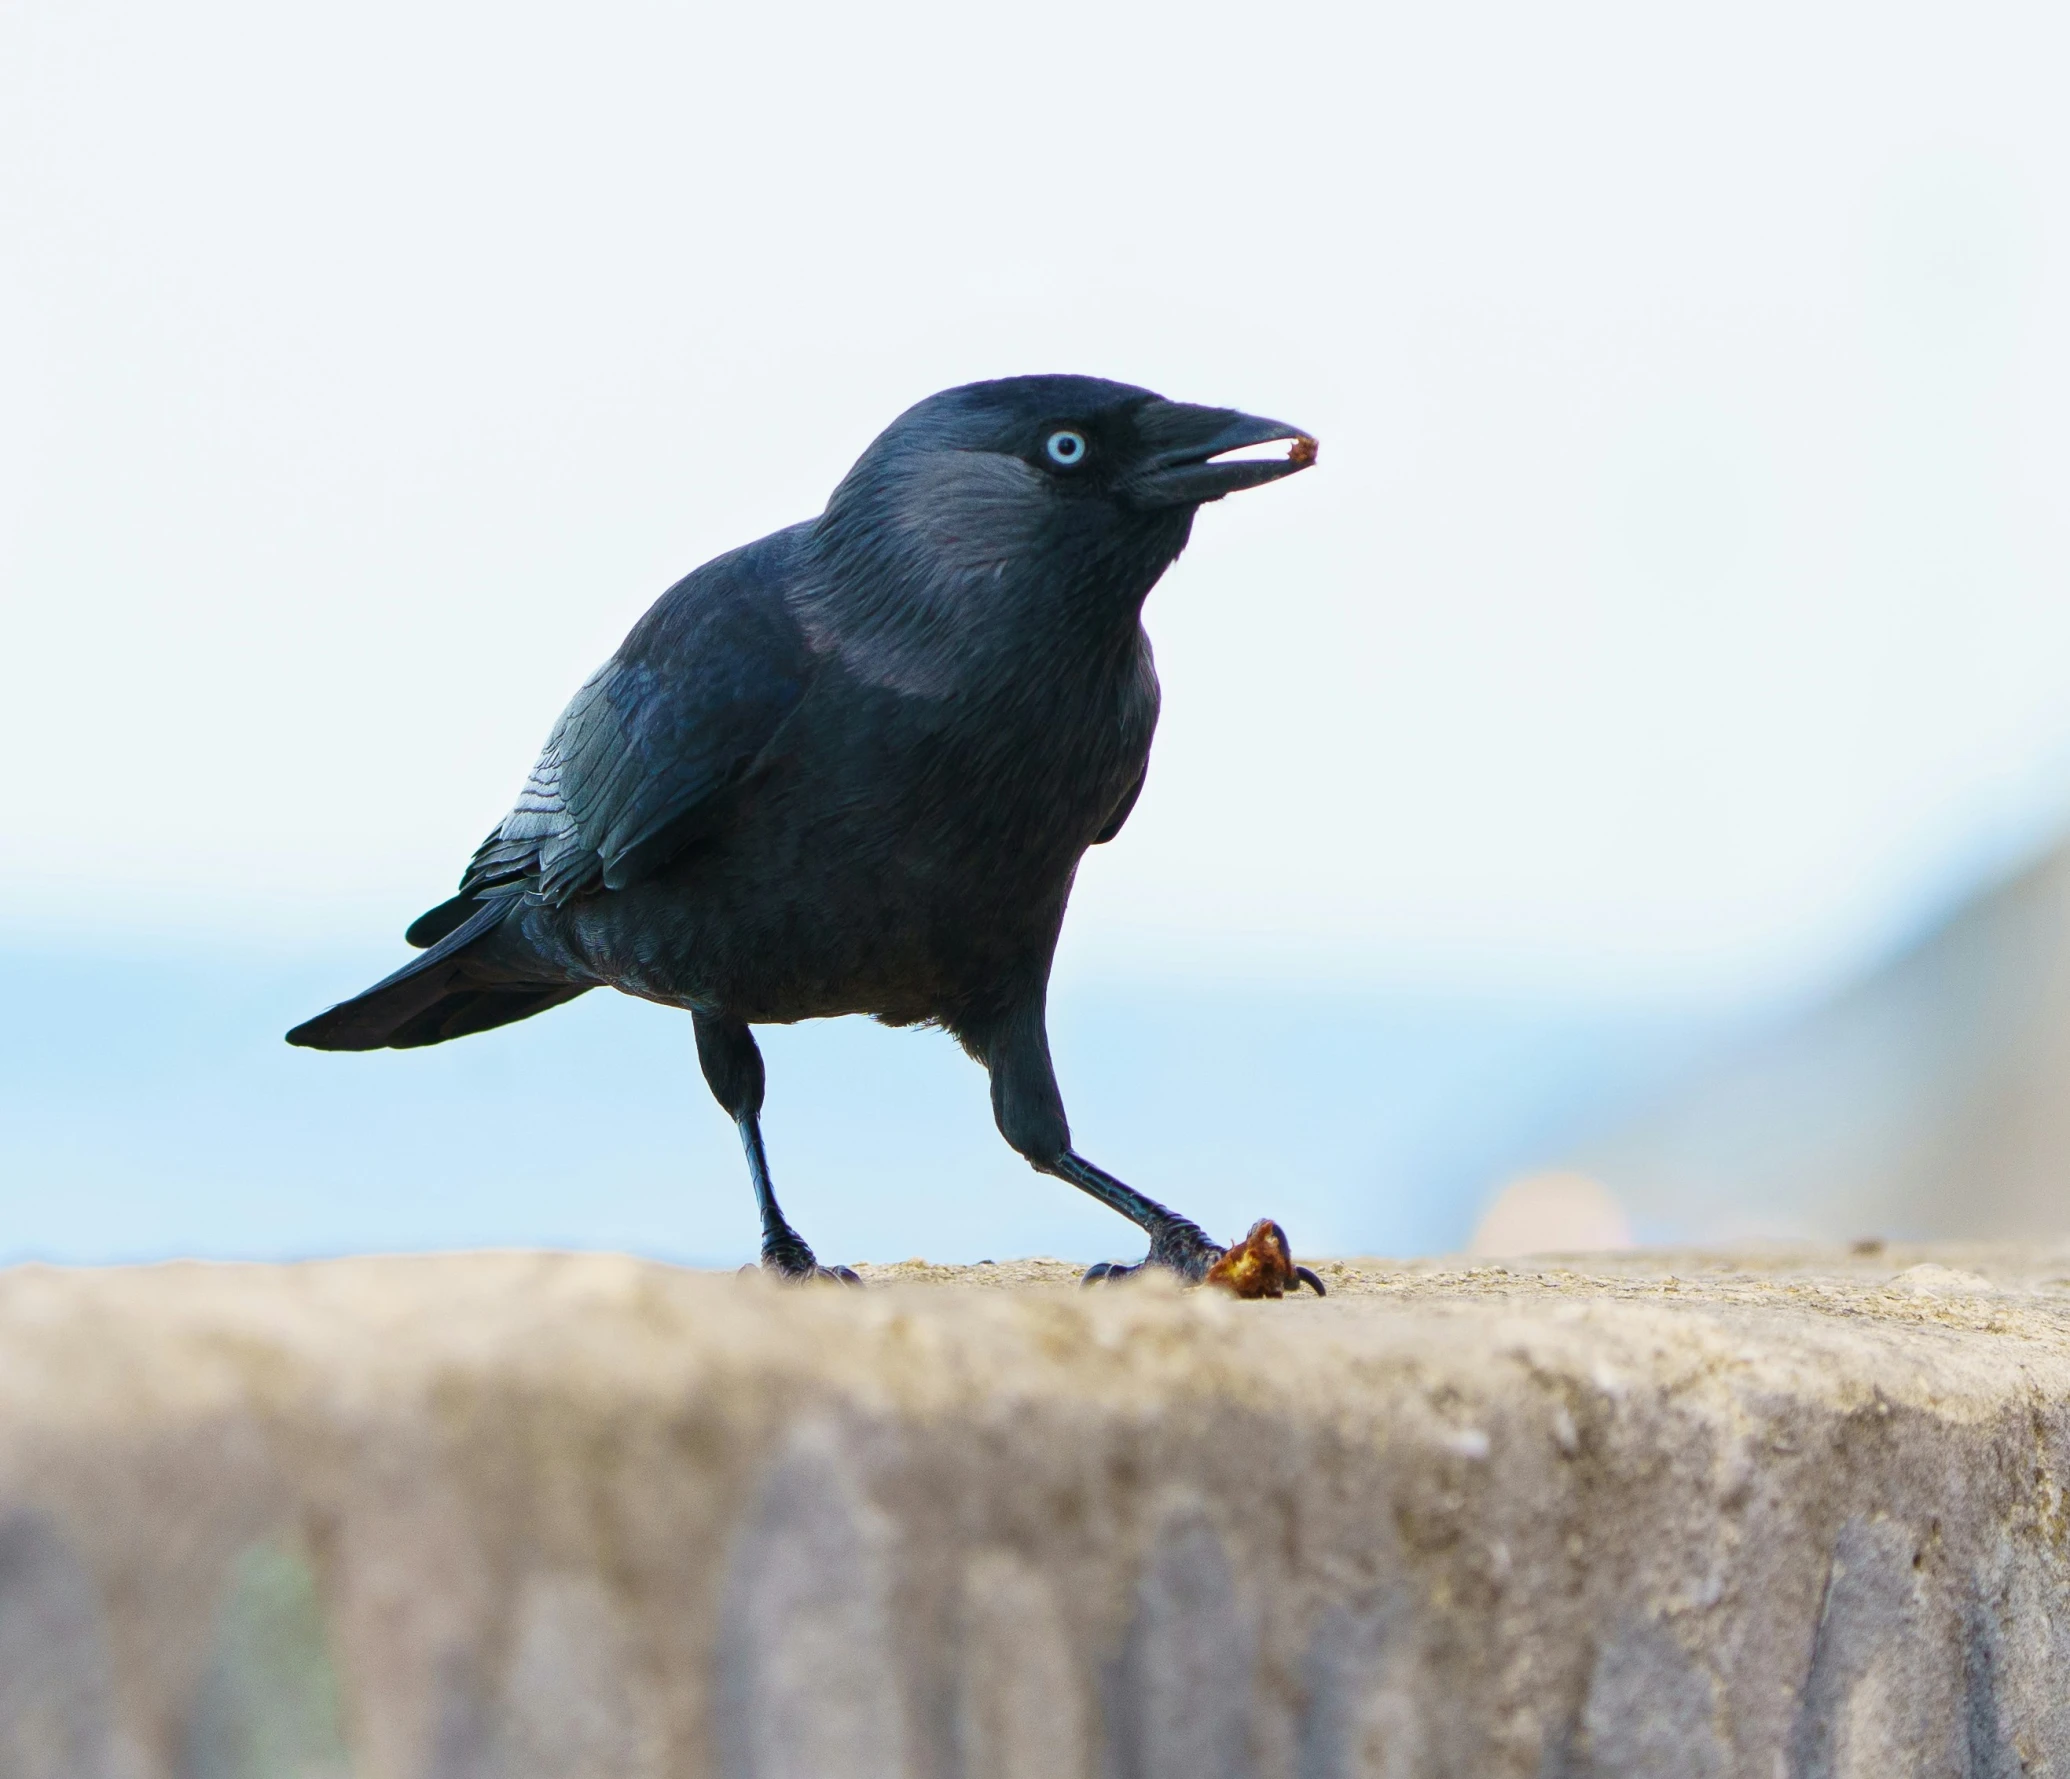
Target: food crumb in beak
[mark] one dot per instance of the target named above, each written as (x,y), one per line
(1303,453)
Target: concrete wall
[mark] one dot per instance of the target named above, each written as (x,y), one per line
(542,1517)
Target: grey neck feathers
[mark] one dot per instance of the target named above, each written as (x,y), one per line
(932,573)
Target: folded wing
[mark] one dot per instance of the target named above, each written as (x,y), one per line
(638,764)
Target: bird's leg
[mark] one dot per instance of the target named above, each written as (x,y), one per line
(784,1250)
(732,1064)
(1176,1242)
(1030,1113)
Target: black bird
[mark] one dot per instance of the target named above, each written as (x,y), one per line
(852,767)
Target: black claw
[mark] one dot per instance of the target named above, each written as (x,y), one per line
(791,1261)
(1178,1246)
(787,1270)
(1308,1278)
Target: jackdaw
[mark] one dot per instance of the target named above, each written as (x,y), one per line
(852,768)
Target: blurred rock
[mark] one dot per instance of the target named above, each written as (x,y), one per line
(1930,1100)
(1551,1213)
(539,1517)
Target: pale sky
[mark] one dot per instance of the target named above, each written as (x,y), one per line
(1683,595)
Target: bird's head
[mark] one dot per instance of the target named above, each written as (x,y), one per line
(1098,480)
(1068,440)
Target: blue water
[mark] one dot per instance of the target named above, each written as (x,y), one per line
(149,1109)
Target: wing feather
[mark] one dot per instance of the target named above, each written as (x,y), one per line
(644,751)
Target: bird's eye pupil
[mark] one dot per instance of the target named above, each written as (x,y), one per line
(1066,447)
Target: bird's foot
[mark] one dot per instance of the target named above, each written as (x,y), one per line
(796,1264)
(1179,1246)
(1261,1265)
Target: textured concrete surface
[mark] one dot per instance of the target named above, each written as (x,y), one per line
(519,1515)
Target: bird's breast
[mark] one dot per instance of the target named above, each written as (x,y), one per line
(893,855)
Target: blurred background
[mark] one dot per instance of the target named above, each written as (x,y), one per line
(1630,765)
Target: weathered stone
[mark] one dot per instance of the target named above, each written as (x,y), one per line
(57,1717)
(267,1707)
(555,1517)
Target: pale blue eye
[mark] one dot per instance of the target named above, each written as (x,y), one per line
(1067,448)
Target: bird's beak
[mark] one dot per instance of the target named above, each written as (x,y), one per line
(1188,454)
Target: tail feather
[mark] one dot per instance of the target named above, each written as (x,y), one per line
(468,1010)
(430,999)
